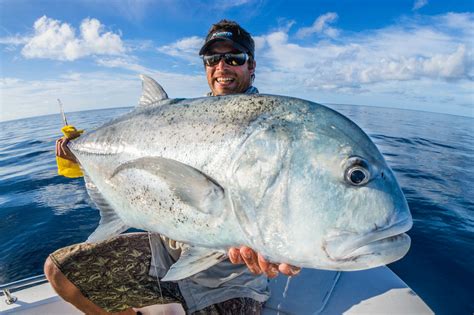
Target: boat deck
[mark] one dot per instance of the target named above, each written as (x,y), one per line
(373,291)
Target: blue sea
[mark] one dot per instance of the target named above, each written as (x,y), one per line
(431,154)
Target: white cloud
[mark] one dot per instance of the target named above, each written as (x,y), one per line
(126,63)
(321,26)
(224,5)
(185,48)
(139,45)
(133,10)
(410,51)
(419,4)
(406,63)
(454,66)
(24,98)
(13,40)
(83,91)
(55,40)
(460,23)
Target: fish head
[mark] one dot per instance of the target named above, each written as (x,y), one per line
(341,182)
(330,201)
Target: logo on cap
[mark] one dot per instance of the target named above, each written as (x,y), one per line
(222,34)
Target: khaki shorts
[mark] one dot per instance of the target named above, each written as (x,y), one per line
(114,275)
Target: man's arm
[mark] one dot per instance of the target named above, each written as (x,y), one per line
(63,151)
(257,264)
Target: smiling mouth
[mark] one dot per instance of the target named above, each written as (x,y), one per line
(348,246)
(224,80)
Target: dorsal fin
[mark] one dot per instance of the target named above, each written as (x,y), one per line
(152,92)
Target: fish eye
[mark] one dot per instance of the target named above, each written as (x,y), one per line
(357,176)
(357,172)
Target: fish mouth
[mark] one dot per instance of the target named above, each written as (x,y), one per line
(388,244)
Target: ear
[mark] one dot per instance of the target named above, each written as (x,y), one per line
(252,66)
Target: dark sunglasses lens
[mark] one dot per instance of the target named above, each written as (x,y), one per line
(211,60)
(230,59)
(235,59)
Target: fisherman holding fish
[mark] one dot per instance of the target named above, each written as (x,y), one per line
(121,273)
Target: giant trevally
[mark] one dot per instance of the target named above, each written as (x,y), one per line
(294,180)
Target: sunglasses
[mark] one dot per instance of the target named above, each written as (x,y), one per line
(229,58)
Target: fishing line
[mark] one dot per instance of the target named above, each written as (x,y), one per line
(329,293)
(154,265)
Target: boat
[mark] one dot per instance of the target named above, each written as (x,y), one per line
(373,291)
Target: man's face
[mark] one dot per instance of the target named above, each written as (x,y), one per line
(224,79)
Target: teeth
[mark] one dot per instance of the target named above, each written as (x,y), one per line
(224,79)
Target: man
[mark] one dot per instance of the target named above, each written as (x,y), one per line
(123,272)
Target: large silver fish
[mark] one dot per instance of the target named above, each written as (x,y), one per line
(296,181)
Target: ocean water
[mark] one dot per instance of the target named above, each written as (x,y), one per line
(431,154)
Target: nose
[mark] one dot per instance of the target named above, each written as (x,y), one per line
(221,64)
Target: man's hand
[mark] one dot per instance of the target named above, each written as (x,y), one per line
(63,151)
(257,264)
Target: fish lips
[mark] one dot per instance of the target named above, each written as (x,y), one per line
(379,247)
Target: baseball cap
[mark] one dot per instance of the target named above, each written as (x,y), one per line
(239,40)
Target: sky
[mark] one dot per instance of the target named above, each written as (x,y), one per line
(410,54)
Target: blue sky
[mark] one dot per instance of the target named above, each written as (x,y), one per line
(415,54)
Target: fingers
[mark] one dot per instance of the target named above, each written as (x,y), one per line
(289,270)
(245,255)
(271,270)
(250,258)
(257,264)
(234,256)
(56,151)
(61,144)
(58,146)
(63,151)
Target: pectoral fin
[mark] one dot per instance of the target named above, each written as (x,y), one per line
(192,261)
(190,185)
